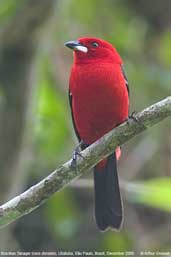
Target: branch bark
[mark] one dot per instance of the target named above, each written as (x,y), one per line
(61,177)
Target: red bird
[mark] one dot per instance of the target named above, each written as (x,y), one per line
(99,100)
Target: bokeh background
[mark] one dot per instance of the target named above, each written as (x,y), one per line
(36,133)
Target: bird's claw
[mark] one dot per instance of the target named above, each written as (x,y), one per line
(133,116)
(77,153)
(75,157)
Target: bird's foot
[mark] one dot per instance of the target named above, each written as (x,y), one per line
(133,116)
(77,153)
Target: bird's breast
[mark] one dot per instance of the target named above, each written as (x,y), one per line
(100,100)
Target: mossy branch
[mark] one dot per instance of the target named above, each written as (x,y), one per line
(61,177)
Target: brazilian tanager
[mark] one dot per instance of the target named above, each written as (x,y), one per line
(99,101)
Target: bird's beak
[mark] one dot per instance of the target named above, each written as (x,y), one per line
(76,45)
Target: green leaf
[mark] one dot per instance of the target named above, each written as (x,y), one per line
(164,49)
(155,193)
(51,127)
(117,242)
(8,8)
(62,214)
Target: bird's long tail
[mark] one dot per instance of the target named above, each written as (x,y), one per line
(108,203)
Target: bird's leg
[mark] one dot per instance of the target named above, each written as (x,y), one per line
(80,146)
(133,116)
(130,116)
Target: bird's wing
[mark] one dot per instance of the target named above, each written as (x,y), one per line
(125,77)
(70,103)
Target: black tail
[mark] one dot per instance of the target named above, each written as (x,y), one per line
(108,203)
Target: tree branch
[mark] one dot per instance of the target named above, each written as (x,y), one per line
(39,193)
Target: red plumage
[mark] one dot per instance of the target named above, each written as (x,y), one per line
(100,97)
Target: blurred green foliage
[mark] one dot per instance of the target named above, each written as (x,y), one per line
(147,59)
(117,242)
(51,127)
(154,193)
(146,51)
(63,215)
(164,49)
(8,9)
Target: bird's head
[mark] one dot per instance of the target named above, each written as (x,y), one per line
(89,49)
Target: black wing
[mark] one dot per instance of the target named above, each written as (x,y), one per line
(125,77)
(75,129)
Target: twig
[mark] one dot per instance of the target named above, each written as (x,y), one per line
(60,178)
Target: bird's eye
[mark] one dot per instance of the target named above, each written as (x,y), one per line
(94,44)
